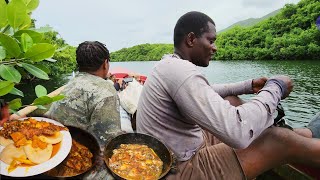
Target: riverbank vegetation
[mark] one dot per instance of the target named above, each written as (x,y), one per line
(292,34)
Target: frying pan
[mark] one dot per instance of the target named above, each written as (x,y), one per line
(85,138)
(137,138)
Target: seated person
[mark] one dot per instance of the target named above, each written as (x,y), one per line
(90,102)
(192,117)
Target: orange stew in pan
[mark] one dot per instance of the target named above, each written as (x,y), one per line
(135,162)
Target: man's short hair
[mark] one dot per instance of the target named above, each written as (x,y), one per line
(193,21)
(90,55)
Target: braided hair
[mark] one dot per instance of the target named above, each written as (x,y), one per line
(193,21)
(91,55)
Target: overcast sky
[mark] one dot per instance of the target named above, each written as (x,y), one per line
(125,23)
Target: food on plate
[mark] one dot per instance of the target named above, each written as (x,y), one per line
(38,155)
(53,139)
(5,142)
(31,141)
(78,161)
(10,152)
(135,161)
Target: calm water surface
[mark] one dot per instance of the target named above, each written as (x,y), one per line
(300,106)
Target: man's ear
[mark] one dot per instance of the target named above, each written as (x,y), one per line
(105,64)
(190,39)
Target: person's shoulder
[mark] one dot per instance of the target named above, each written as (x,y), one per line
(91,84)
(172,66)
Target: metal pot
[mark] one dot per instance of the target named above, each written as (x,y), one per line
(85,138)
(137,138)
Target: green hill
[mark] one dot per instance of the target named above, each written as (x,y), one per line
(289,33)
(251,21)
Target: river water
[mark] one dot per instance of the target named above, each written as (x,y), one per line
(302,104)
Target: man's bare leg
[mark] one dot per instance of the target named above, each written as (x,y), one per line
(277,146)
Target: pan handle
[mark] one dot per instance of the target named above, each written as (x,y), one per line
(174,166)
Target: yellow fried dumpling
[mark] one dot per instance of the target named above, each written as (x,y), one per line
(10,152)
(5,142)
(54,139)
(37,155)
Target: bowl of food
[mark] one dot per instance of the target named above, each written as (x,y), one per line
(31,146)
(137,156)
(82,157)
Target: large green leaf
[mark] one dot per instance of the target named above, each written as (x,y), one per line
(40,52)
(5,87)
(35,71)
(3,14)
(26,23)
(26,42)
(9,73)
(40,91)
(16,13)
(2,53)
(17,92)
(15,104)
(32,5)
(36,37)
(42,100)
(10,44)
(57,98)
(43,68)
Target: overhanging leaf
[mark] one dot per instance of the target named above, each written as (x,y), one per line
(58,97)
(15,104)
(26,42)
(5,87)
(40,52)
(36,37)
(2,53)
(35,71)
(26,23)
(3,14)
(43,67)
(9,73)
(16,13)
(32,5)
(10,44)
(42,100)
(40,91)
(17,92)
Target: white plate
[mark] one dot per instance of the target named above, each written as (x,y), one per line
(63,152)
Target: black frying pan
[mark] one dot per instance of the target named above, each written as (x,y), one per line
(85,138)
(137,138)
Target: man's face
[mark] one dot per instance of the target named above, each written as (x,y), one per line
(204,47)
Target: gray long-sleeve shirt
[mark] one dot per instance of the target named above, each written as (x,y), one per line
(177,102)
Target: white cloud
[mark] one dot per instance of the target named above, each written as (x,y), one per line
(125,23)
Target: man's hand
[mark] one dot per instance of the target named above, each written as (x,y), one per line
(258,84)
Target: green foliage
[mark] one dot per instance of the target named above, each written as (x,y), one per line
(291,34)
(144,52)
(22,49)
(65,55)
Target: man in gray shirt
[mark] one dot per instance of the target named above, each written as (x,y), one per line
(179,107)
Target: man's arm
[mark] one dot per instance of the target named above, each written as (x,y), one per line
(105,119)
(235,126)
(239,88)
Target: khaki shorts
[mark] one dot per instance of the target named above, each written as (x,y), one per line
(215,160)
